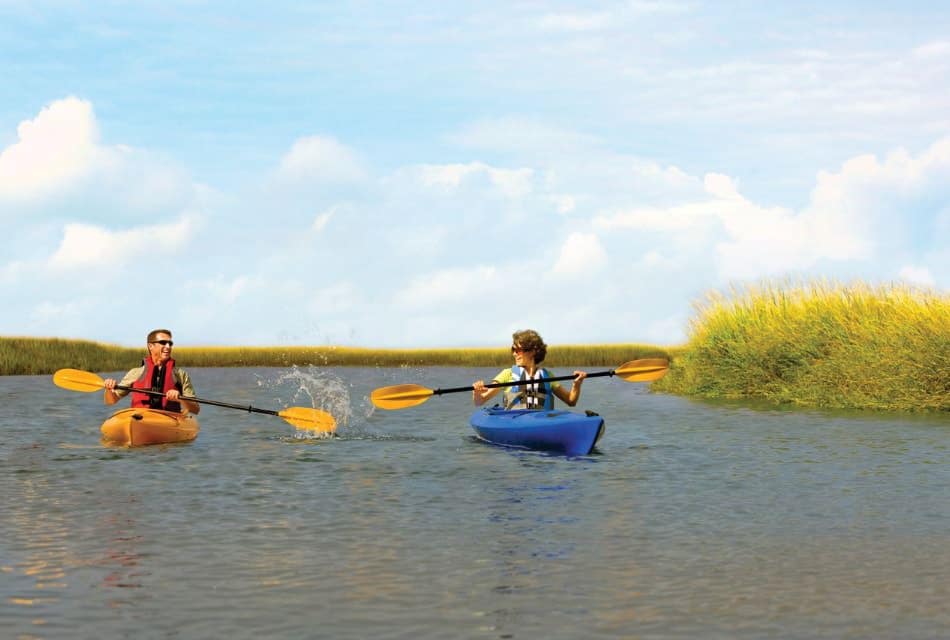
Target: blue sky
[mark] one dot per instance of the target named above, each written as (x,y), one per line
(442,174)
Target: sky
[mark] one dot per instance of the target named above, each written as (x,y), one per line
(441,174)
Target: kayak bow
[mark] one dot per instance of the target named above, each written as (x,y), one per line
(564,432)
(140,427)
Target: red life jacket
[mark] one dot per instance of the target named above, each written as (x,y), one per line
(148,401)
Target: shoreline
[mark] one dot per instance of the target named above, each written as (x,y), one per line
(37,356)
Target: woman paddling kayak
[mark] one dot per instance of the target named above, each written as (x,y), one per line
(529,351)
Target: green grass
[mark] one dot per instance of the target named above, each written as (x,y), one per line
(820,345)
(30,356)
(27,356)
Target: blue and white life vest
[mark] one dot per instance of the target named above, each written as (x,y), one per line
(531,395)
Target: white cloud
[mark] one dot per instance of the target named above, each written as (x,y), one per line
(341,297)
(425,240)
(47,312)
(868,210)
(12,272)
(574,170)
(721,186)
(227,290)
(679,218)
(451,286)
(654,259)
(520,135)
(513,183)
(574,21)
(53,151)
(585,22)
(323,219)
(660,331)
(564,204)
(917,275)
(765,242)
(449,176)
(322,159)
(57,165)
(86,245)
(137,181)
(869,204)
(657,6)
(937,49)
(669,176)
(581,255)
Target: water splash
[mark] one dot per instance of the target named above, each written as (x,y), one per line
(314,387)
(307,435)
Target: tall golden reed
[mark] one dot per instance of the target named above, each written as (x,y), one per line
(820,344)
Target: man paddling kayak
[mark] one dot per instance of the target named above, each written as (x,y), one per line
(529,351)
(157,373)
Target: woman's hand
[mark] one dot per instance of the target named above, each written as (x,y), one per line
(479,394)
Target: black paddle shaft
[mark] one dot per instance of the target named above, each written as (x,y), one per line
(247,408)
(495,385)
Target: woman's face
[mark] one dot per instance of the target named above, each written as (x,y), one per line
(522,357)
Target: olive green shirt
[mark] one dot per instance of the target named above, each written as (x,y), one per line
(181,377)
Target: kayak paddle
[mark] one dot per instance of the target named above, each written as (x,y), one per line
(300,417)
(402,396)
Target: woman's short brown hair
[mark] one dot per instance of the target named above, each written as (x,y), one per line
(529,340)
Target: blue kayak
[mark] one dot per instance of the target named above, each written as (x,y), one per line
(565,432)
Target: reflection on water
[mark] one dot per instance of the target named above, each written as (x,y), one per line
(35,559)
(122,556)
(694,520)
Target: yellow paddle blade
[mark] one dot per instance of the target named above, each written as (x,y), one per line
(77,380)
(311,419)
(645,370)
(400,396)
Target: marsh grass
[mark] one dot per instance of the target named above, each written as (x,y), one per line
(820,345)
(27,356)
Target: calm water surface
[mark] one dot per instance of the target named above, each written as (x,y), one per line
(691,520)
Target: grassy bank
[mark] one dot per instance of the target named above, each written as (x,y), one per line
(28,356)
(820,345)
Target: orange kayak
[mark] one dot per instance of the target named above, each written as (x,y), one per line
(139,427)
